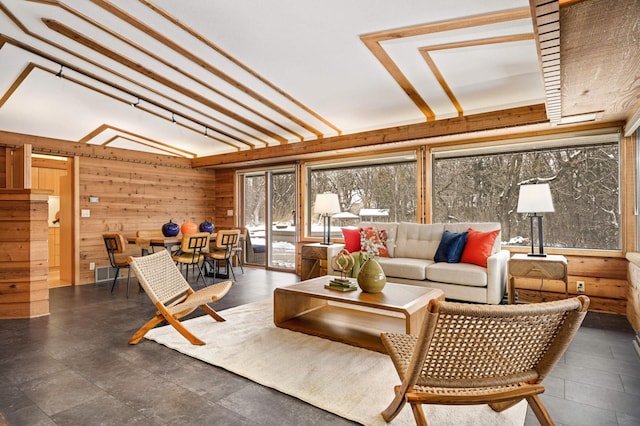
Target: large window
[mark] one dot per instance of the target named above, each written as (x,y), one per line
(584,180)
(381,189)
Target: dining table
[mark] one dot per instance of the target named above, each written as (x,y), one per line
(166,242)
(169,242)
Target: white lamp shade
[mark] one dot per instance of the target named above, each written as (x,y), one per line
(535,199)
(327,204)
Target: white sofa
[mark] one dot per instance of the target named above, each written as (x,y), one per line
(412,248)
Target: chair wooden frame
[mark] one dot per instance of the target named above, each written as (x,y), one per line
(191,252)
(172,295)
(471,354)
(115,244)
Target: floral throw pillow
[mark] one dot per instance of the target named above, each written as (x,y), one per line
(374,242)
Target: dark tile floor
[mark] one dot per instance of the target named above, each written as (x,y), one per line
(75,367)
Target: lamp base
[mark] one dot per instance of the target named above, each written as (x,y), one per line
(537,254)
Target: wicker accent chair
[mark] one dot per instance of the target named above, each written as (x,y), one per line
(172,295)
(470,354)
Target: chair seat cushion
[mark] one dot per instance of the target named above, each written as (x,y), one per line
(187,258)
(405,267)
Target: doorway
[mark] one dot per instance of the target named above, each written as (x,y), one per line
(268,213)
(55,174)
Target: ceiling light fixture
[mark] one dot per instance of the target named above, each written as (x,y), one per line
(135,104)
(59,74)
(206,134)
(173,117)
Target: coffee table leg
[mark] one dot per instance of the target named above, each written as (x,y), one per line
(287,305)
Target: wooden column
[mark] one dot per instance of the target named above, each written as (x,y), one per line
(24,289)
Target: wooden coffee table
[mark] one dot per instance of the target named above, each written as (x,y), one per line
(354,317)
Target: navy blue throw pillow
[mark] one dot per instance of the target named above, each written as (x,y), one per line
(451,247)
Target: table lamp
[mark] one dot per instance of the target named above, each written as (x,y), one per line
(326,205)
(535,199)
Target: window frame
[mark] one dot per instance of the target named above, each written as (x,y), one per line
(404,156)
(553,141)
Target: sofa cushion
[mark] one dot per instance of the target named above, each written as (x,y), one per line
(458,273)
(451,247)
(478,247)
(409,268)
(418,241)
(390,229)
(351,236)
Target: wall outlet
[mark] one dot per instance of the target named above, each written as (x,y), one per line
(229,212)
(580,286)
(92,266)
(85,213)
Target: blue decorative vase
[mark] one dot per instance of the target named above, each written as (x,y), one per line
(170,229)
(206,226)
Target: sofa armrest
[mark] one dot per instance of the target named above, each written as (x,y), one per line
(497,276)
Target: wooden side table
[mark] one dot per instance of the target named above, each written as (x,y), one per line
(551,267)
(315,258)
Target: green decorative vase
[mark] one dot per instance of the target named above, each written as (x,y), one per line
(371,278)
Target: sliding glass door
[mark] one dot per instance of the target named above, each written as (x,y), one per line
(269,197)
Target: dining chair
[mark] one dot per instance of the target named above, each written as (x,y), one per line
(191,252)
(143,240)
(470,354)
(226,241)
(115,244)
(238,249)
(172,295)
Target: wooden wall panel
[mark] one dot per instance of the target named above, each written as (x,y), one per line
(633,296)
(133,197)
(5,165)
(24,290)
(225,199)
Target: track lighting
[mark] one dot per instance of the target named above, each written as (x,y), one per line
(59,75)
(135,104)
(173,117)
(206,129)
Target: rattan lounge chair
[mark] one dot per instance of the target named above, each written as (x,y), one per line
(172,295)
(476,354)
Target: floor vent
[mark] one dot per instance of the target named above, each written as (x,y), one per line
(105,273)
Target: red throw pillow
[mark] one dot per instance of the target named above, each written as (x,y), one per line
(372,240)
(351,239)
(478,247)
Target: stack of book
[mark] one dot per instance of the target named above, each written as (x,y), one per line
(341,285)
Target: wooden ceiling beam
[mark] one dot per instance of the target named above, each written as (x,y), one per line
(65,148)
(521,116)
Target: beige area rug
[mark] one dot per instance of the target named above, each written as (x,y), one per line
(353,383)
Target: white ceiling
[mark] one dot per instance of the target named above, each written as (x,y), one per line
(251,74)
